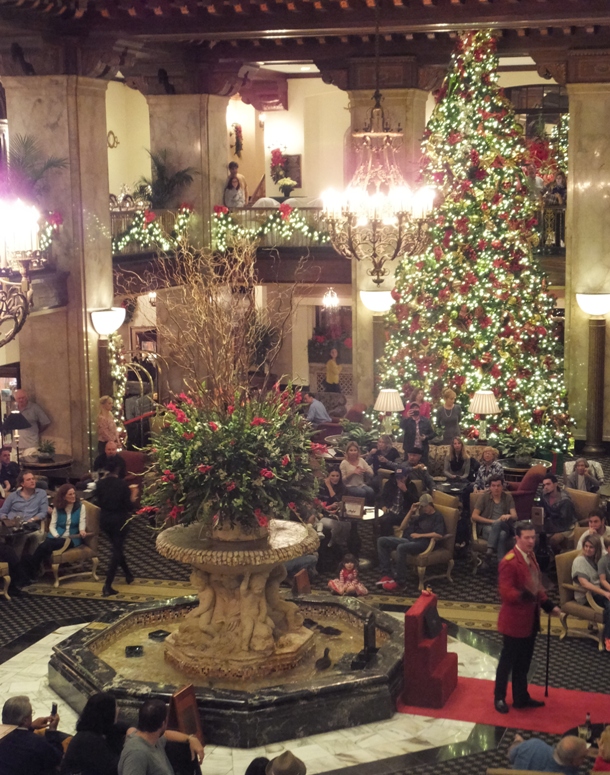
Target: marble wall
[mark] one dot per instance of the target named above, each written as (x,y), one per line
(587,235)
(67,116)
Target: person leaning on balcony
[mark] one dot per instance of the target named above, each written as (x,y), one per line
(243,184)
(234,194)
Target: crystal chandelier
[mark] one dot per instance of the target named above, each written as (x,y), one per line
(378,218)
(330,300)
(19,230)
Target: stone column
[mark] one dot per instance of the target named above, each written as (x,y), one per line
(407,108)
(66,114)
(587,233)
(193,128)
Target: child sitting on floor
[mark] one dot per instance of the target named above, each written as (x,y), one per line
(347,583)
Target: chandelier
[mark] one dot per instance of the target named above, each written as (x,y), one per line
(378,217)
(19,254)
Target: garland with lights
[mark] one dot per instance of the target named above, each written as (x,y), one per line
(146,231)
(49,230)
(118,372)
(284,222)
(473,312)
(559,142)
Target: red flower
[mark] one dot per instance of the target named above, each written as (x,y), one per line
(213,426)
(319,339)
(262,520)
(55,219)
(266,473)
(149,216)
(230,409)
(292,506)
(168,476)
(204,469)
(220,209)
(258,421)
(298,397)
(188,436)
(187,207)
(348,342)
(147,510)
(285,211)
(285,460)
(186,399)
(175,513)
(231,486)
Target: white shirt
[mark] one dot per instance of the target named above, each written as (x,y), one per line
(592,532)
(526,556)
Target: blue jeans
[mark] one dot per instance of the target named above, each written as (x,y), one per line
(364,491)
(497,535)
(308,561)
(403,546)
(604,603)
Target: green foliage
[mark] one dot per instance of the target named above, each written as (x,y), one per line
(46,447)
(28,168)
(354,431)
(474,312)
(252,461)
(163,187)
(515,445)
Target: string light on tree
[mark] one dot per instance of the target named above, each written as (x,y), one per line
(118,373)
(474,312)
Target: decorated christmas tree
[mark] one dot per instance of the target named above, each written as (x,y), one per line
(473,312)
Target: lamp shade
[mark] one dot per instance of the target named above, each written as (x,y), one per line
(377,301)
(388,400)
(484,402)
(107,321)
(15,421)
(594,303)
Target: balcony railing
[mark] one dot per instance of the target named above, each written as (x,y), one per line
(122,220)
(551,230)
(253,219)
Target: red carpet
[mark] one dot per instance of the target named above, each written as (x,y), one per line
(473,701)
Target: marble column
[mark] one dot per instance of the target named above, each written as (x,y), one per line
(193,128)
(66,114)
(587,235)
(407,108)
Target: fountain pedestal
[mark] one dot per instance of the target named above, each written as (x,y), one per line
(242,627)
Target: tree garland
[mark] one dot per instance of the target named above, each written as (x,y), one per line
(118,372)
(145,230)
(285,222)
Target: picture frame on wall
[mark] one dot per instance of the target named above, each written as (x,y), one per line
(293,168)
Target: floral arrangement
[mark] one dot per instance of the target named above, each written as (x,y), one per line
(278,165)
(284,222)
(241,466)
(145,230)
(49,229)
(239,140)
(323,341)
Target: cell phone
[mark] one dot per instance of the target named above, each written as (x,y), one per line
(54,709)
(134,651)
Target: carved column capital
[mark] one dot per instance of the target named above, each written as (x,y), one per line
(588,66)
(358,74)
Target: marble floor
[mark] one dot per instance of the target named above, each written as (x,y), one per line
(26,673)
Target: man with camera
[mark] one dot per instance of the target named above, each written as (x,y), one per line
(21,749)
(421,523)
(418,431)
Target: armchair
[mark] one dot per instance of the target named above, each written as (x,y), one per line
(6,580)
(438,552)
(79,554)
(584,503)
(591,613)
(524,492)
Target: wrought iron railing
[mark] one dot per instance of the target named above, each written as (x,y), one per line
(551,230)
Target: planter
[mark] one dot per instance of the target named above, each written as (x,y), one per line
(238,534)
(523,461)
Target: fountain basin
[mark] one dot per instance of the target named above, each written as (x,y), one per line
(240,712)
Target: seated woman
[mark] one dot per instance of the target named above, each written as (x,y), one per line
(585,573)
(68,520)
(457,462)
(354,468)
(96,747)
(331,492)
(489,467)
(583,478)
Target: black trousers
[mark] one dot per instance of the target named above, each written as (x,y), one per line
(43,550)
(387,522)
(115,528)
(516,657)
(9,556)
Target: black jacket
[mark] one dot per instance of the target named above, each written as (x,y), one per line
(426,431)
(389,494)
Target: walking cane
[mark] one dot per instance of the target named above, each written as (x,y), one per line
(548,656)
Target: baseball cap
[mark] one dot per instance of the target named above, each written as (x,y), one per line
(425,500)
(415,451)
(402,473)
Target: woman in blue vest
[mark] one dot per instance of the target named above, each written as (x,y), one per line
(68,520)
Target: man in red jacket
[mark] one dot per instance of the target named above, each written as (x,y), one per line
(522,597)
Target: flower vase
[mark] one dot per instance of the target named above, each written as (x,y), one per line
(286,191)
(237,533)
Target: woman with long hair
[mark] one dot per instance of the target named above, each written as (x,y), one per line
(457,462)
(234,195)
(585,573)
(418,397)
(106,425)
(354,469)
(330,495)
(96,747)
(333,370)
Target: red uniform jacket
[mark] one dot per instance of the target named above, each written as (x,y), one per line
(519,614)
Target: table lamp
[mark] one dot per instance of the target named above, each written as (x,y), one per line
(388,401)
(483,403)
(13,423)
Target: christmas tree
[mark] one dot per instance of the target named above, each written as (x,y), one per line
(473,312)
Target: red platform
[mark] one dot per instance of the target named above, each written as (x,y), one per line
(431,673)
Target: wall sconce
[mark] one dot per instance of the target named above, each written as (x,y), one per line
(596,305)
(152,298)
(107,321)
(261,120)
(377,301)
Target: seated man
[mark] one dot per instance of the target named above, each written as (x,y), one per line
(305,561)
(144,749)
(397,497)
(582,477)
(419,470)
(316,413)
(422,523)
(383,455)
(559,516)
(597,526)
(495,510)
(111,452)
(569,754)
(9,471)
(29,503)
(22,751)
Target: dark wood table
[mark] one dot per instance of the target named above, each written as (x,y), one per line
(58,462)
(514,472)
